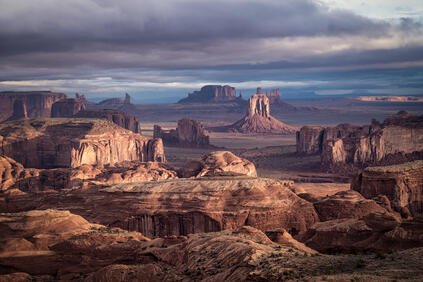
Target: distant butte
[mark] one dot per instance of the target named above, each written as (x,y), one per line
(258,119)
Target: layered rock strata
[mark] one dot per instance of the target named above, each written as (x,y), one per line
(401,184)
(398,138)
(51,143)
(37,104)
(189,133)
(211,93)
(258,119)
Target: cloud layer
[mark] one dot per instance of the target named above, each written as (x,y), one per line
(191,41)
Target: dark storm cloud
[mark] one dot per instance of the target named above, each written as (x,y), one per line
(45,26)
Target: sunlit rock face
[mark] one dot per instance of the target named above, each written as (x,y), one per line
(51,143)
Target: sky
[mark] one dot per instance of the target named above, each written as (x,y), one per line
(158,51)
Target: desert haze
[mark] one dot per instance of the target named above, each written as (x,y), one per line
(211,140)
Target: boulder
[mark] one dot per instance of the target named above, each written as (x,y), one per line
(51,143)
(219,163)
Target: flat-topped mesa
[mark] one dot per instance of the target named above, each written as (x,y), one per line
(258,119)
(398,139)
(211,93)
(259,105)
(118,117)
(189,133)
(52,143)
(68,107)
(37,103)
(274,96)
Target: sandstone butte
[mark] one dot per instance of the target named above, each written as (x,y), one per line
(52,143)
(68,107)
(397,139)
(189,133)
(211,93)
(36,104)
(258,119)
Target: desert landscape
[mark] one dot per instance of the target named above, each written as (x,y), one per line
(215,140)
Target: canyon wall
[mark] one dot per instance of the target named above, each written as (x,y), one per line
(118,117)
(398,138)
(37,103)
(51,143)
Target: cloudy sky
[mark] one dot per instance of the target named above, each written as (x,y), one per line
(158,51)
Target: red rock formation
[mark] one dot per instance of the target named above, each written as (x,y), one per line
(67,107)
(189,133)
(309,140)
(37,103)
(181,206)
(401,184)
(118,117)
(51,143)
(397,139)
(211,93)
(258,120)
(19,111)
(219,163)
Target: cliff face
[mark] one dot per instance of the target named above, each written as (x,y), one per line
(50,143)
(309,140)
(401,184)
(258,119)
(211,93)
(67,107)
(399,137)
(118,117)
(189,133)
(37,104)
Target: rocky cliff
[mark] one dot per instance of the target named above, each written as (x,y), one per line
(211,93)
(258,119)
(37,104)
(67,107)
(401,184)
(189,133)
(398,138)
(118,117)
(50,143)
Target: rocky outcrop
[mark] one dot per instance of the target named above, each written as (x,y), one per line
(401,184)
(309,140)
(118,117)
(258,120)
(218,163)
(397,139)
(181,206)
(211,93)
(37,104)
(51,143)
(67,107)
(189,133)
(114,103)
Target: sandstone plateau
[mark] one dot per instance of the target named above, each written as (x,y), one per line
(36,104)
(211,93)
(398,139)
(258,120)
(51,143)
(189,133)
